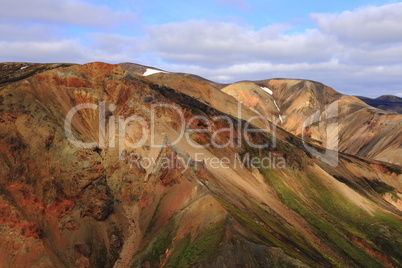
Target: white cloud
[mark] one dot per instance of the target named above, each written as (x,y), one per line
(356,52)
(368,24)
(71,51)
(61,12)
(15,32)
(216,44)
(373,56)
(36,51)
(113,43)
(60,31)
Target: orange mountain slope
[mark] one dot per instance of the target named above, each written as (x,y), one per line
(166,179)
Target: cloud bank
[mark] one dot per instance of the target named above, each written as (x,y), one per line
(356,52)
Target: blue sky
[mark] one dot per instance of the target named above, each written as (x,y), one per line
(353,46)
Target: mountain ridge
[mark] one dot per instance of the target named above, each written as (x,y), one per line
(89,207)
(386,102)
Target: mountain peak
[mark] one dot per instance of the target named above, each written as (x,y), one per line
(390,98)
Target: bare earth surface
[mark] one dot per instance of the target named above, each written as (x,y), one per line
(65,206)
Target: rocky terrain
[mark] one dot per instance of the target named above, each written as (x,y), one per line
(296,105)
(180,204)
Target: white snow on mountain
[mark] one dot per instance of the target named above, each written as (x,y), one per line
(276,105)
(267,90)
(150,71)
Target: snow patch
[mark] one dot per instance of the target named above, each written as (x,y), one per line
(276,105)
(22,68)
(152,71)
(267,90)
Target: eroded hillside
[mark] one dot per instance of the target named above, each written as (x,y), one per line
(298,104)
(171,202)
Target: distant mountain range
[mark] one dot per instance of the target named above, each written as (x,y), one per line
(386,102)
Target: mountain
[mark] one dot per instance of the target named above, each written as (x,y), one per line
(177,179)
(389,98)
(386,102)
(142,70)
(11,72)
(294,104)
